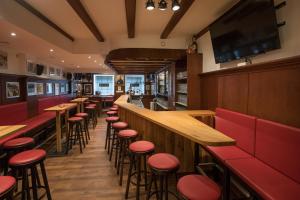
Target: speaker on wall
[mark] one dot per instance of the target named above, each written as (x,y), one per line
(39,69)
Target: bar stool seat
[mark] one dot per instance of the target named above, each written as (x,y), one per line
(81,115)
(163,161)
(141,146)
(75,119)
(7,185)
(112,119)
(18,143)
(27,157)
(127,133)
(114,109)
(92,105)
(119,125)
(197,187)
(111,113)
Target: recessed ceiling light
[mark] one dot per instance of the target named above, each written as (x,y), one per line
(62,61)
(89,57)
(13,34)
(78,66)
(100,64)
(51,50)
(95,61)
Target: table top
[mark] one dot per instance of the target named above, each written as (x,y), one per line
(10,129)
(79,100)
(183,123)
(61,107)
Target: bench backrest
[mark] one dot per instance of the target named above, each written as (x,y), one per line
(47,102)
(238,126)
(13,113)
(278,146)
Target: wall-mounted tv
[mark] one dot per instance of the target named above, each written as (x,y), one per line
(248,29)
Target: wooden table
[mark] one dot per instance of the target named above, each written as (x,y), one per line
(58,109)
(79,102)
(177,132)
(10,129)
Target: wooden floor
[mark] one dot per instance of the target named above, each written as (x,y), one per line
(89,175)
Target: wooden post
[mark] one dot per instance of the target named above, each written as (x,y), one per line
(58,132)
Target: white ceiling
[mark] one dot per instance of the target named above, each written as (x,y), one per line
(110,18)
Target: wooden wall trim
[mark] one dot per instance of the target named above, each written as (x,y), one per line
(279,63)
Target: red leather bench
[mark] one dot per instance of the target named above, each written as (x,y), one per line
(273,172)
(238,126)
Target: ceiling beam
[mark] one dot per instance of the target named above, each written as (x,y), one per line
(184,6)
(82,13)
(42,17)
(130,6)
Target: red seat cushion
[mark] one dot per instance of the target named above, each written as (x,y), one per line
(81,114)
(112,119)
(113,109)
(119,125)
(227,152)
(278,146)
(92,105)
(111,112)
(197,187)
(141,146)
(12,114)
(267,182)
(75,119)
(163,161)
(27,157)
(18,142)
(7,184)
(128,133)
(238,126)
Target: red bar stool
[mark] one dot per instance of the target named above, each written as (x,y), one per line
(15,146)
(115,106)
(162,165)
(117,126)
(7,186)
(137,151)
(75,135)
(92,112)
(197,187)
(29,160)
(108,138)
(114,109)
(112,113)
(126,137)
(85,117)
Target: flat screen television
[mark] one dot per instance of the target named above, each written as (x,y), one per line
(247,29)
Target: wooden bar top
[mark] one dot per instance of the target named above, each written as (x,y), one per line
(79,100)
(61,107)
(181,122)
(7,130)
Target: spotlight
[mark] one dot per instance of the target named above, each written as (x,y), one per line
(162,5)
(175,5)
(150,5)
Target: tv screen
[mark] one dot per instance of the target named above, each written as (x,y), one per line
(249,28)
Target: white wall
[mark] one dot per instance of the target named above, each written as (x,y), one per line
(289,37)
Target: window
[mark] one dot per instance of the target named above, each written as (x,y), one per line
(104,84)
(135,83)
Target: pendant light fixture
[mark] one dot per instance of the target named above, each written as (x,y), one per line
(175,5)
(150,5)
(162,5)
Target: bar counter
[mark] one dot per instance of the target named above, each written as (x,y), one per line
(174,132)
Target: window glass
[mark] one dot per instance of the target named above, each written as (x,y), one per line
(104,84)
(136,83)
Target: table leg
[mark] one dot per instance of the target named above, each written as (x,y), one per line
(58,132)
(81,107)
(78,107)
(67,114)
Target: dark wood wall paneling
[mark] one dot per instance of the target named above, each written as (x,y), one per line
(269,90)
(31,100)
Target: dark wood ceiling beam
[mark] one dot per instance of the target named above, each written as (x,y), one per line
(87,20)
(130,6)
(185,5)
(42,17)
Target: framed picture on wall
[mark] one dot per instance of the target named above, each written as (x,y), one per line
(31,89)
(12,90)
(88,89)
(39,88)
(3,60)
(56,88)
(49,88)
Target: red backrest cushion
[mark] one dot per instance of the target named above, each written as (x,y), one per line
(13,113)
(238,126)
(65,98)
(278,146)
(47,102)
